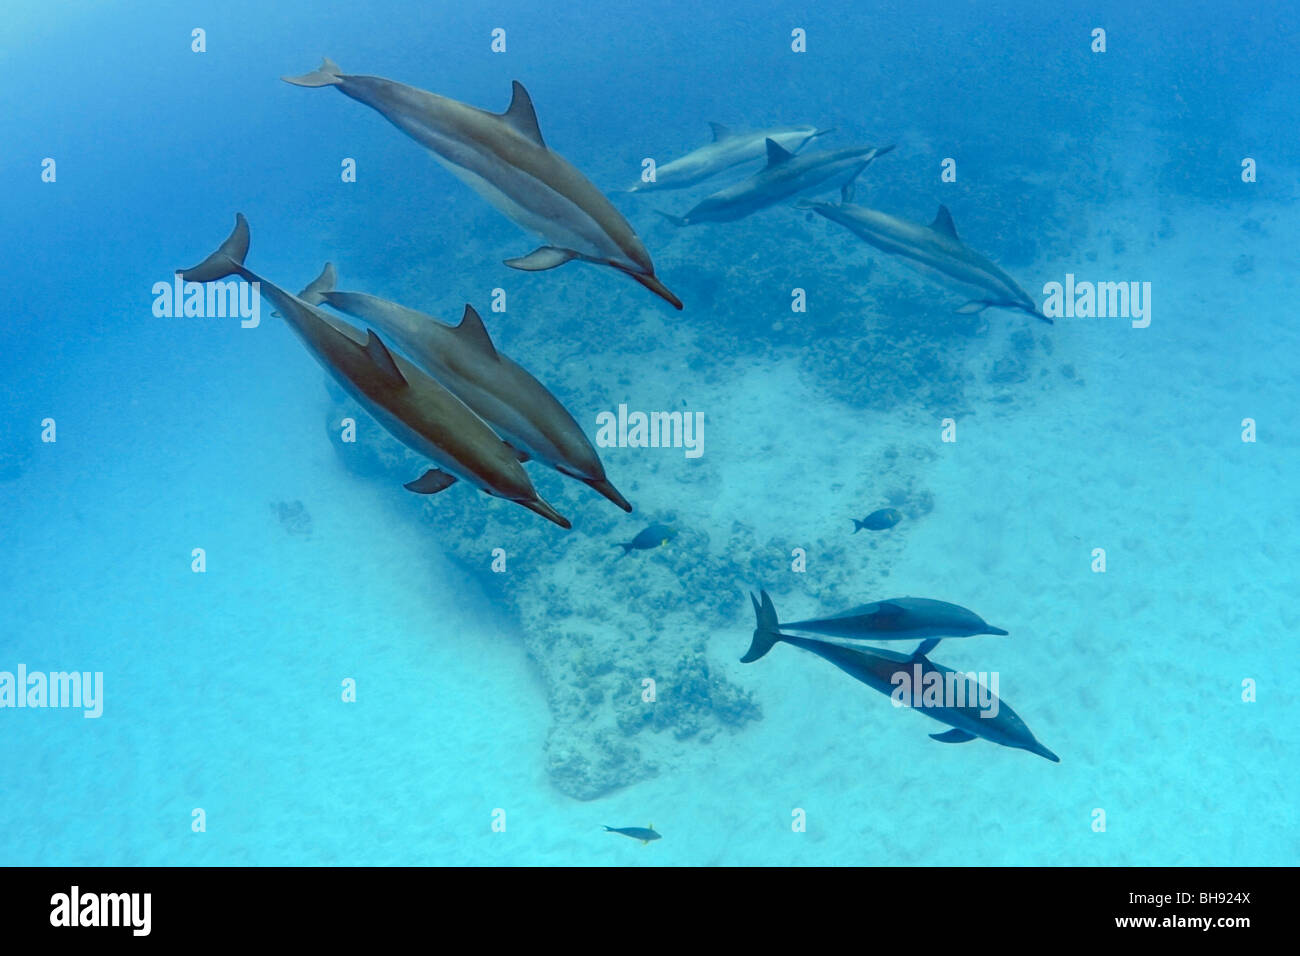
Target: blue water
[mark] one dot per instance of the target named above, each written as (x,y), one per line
(475,690)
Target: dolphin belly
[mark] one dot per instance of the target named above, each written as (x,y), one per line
(536,208)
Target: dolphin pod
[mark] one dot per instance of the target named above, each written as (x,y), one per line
(785,176)
(729,148)
(935,249)
(886,671)
(503,158)
(411,405)
(503,393)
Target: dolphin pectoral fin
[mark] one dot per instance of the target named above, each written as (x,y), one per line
(383,360)
(973,307)
(925,647)
(846,192)
(328,74)
(543,258)
(431,482)
(953,736)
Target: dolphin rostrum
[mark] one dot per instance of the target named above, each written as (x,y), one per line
(418,411)
(973,710)
(503,157)
(729,148)
(785,176)
(463,358)
(935,251)
(900,619)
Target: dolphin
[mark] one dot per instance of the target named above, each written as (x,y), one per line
(785,176)
(900,619)
(729,148)
(935,251)
(463,358)
(413,407)
(886,671)
(503,158)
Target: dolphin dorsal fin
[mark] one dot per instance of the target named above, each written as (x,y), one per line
(776,153)
(720,132)
(383,360)
(314,294)
(943,223)
(472,332)
(521,116)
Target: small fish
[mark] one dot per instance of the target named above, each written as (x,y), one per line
(878,520)
(644,834)
(651,537)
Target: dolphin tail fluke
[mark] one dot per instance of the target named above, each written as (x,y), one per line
(766,630)
(675,220)
(314,294)
(227,260)
(328,74)
(858,525)
(547,512)
(603,486)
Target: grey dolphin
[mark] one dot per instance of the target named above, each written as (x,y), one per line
(935,249)
(785,176)
(412,406)
(900,619)
(729,148)
(884,671)
(503,158)
(503,393)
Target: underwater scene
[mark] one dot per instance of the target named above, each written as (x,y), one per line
(650,433)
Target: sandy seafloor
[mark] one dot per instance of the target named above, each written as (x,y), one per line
(225,694)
